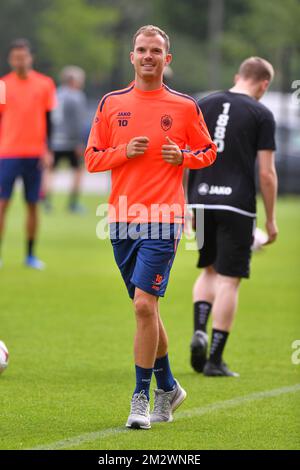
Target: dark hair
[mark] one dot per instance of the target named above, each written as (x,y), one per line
(150,30)
(20,44)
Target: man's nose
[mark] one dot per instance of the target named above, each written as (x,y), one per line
(148,55)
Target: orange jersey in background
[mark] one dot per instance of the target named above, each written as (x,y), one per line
(23,116)
(147,179)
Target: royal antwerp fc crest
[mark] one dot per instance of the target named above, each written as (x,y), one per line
(166,122)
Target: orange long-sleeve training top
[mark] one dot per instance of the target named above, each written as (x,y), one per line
(146,188)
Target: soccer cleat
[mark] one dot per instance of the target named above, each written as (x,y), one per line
(199,350)
(34,263)
(218,370)
(167,402)
(139,417)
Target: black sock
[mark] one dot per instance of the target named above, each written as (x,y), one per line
(73,200)
(30,246)
(201,313)
(218,342)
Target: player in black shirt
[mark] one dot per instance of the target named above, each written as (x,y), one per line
(243,130)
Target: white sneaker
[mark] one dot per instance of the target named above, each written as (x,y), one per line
(139,417)
(167,402)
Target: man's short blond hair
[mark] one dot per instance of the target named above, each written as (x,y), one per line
(72,72)
(256,69)
(150,30)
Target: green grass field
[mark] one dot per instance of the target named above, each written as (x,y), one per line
(70,329)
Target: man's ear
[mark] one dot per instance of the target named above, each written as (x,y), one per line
(265,85)
(169,58)
(236,78)
(131,57)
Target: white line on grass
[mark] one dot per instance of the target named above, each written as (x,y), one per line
(104,433)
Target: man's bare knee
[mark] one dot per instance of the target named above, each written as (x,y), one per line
(144,306)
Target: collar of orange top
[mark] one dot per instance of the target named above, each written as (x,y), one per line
(149,94)
(22,79)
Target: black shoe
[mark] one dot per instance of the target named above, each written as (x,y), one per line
(218,370)
(199,350)
(77,208)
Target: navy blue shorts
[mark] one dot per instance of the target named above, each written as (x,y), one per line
(144,254)
(29,169)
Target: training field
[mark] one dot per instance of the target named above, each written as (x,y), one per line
(70,329)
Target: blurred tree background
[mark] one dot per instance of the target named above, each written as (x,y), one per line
(209,38)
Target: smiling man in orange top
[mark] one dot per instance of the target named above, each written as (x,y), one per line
(24,123)
(141,133)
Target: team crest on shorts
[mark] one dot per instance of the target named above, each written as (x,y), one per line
(166,122)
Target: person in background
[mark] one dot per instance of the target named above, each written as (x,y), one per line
(25,125)
(67,141)
(244,131)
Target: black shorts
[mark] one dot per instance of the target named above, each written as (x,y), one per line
(69,155)
(228,237)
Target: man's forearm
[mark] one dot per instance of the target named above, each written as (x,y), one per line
(97,160)
(268,187)
(199,159)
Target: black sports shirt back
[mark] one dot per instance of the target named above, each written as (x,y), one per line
(240,126)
